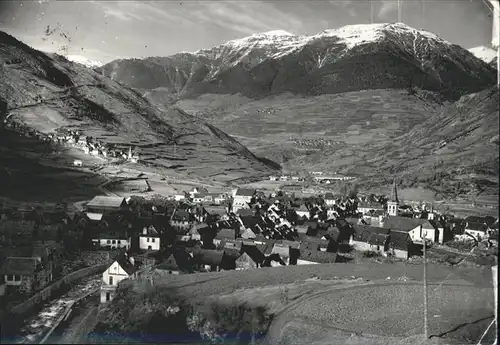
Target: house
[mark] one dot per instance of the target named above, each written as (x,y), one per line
(302,211)
(179,197)
(245,262)
(416,228)
(177,263)
(208,259)
(220,199)
(401,245)
(25,274)
(111,239)
(198,190)
(477,230)
(225,234)
(247,233)
(242,197)
(77,163)
(370,238)
(311,257)
(123,268)
(253,257)
(330,199)
(181,219)
(197,230)
(365,207)
(198,197)
(217,212)
(149,239)
(103,204)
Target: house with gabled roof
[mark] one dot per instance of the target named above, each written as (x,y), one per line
(149,239)
(365,207)
(225,234)
(247,233)
(242,197)
(477,230)
(26,274)
(178,262)
(123,268)
(313,257)
(207,259)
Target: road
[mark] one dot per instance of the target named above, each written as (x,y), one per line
(36,327)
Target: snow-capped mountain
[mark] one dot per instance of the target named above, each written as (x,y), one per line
(354,57)
(84,61)
(484,53)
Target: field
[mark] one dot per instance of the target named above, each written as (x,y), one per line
(371,300)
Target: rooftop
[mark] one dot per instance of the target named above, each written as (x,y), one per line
(107,201)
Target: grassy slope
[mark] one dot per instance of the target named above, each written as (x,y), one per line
(50,93)
(265,287)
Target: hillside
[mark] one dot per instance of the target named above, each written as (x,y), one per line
(48,94)
(454,152)
(352,58)
(355,304)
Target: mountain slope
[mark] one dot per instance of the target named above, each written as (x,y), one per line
(50,94)
(355,57)
(455,152)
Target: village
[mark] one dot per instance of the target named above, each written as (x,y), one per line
(200,231)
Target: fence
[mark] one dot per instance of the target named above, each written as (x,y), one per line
(46,293)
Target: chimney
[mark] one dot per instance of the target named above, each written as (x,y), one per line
(145,231)
(132,261)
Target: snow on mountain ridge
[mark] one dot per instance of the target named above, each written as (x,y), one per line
(484,53)
(84,61)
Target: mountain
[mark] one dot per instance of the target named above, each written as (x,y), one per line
(48,94)
(486,54)
(352,58)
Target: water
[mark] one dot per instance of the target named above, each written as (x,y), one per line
(36,327)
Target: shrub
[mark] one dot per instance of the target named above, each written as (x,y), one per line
(371,254)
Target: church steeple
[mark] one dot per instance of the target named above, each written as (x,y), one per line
(394,192)
(393,203)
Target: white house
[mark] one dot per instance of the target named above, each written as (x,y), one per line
(149,239)
(302,211)
(179,197)
(330,199)
(123,268)
(417,229)
(477,230)
(242,197)
(365,207)
(77,163)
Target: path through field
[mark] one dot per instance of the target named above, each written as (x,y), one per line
(375,311)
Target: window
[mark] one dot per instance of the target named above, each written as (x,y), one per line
(147,239)
(110,280)
(108,241)
(153,240)
(17,278)
(114,242)
(107,296)
(9,277)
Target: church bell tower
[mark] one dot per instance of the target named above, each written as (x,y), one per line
(393,203)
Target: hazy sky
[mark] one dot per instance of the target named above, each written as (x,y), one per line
(105,30)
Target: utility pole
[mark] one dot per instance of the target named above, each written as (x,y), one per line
(423,13)
(399,12)
(426,327)
(371,12)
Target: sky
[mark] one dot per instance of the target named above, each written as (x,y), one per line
(107,30)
